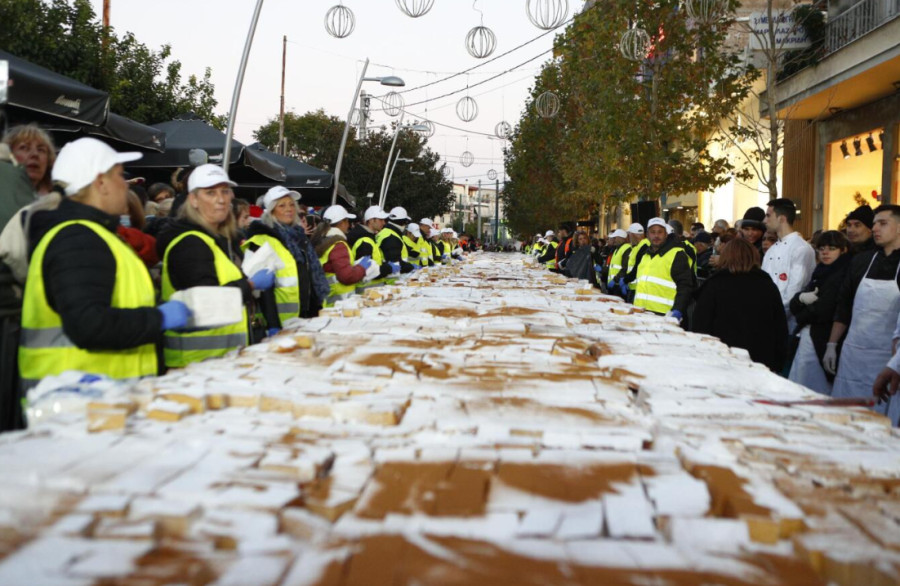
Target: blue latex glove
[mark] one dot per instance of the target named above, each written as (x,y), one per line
(445,257)
(598,268)
(623,287)
(365,262)
(676,314)
(272,331)
(175,315)
(395,267)
(263,280)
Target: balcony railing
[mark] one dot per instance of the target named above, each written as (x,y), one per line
(857,21)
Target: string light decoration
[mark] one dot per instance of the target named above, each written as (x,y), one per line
(414,8)
(393,104)
(428,130)
(340,21)
(635,44)
(481,42)
(547,105)
(492,175)
(705,11)
(503,130)
(547,14)
(447,172)
(467,109)
(466,159)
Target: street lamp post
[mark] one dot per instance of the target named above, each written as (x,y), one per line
(391,81)
(239,82)
(391,176)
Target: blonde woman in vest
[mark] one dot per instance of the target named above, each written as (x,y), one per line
(301,283)
(198,249)
(89,303)
(330,240)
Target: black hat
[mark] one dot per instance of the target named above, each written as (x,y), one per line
(864,214)
(754,218)
(703,237)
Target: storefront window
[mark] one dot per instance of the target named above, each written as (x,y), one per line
(853,171)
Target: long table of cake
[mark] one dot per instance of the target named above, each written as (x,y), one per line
(488,422)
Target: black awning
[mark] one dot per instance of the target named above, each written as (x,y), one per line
(299,175)
(41,91)
(191,132)
(120,132)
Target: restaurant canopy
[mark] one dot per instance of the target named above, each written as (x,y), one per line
(315,185)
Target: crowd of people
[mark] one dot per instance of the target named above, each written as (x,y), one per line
(824,312)
(91,262)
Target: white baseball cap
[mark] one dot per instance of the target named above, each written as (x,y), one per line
(375,212)
(426,222)
(399,213)
(549,233)
(446,230)
(413,229)
(208,175)
(670,229)
(82,160)
(336,213)
(635,229)
(618,234)
(276,193)
(657,222)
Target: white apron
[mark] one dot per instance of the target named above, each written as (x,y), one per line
(806,369)
(867,347)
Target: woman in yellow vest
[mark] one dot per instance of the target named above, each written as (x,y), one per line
(410,239)
(89,303)
(297,283)
(330,240)
(200,249)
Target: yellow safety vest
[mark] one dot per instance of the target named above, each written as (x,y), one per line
(44,348)
(426,257)
(411,246)
(692,260)
(183,348)
(446,250)
(377,258)
(615,262)
(386,233)
(538,248)
(655,288)
(632,259)
(339,291)
(551,264)
(287,279)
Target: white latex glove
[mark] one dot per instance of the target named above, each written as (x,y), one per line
(830,359)
(809,297)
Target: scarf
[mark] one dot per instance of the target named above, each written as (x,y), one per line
(295,239)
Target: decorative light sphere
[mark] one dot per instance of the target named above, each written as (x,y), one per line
(503,130)
(635,44)
(414,8)
(447,172)
(547,105)
(355,118)
(705,11)
(492,175)
(481,42)
(429,125)
(547,14)
(466,159)
(467,109)
(393,104)
(339,21)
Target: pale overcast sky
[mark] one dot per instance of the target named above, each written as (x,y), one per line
(322,71)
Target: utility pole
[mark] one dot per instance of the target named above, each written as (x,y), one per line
(106,13)
(281,145)
(497,214)
(364,101)
(478,208)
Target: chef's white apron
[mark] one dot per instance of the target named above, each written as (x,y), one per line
(867,348)
(806,369)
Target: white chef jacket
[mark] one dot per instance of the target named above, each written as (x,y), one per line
(894,362)
(790,262)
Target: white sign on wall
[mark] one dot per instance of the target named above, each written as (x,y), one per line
(788,33)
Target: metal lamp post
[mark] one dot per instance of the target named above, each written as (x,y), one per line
(386,180)
(391,176)
(391,81)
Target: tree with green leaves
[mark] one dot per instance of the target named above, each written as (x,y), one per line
(144,84)
(315,138)
(629,129)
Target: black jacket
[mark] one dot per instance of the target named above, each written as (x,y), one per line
(744,310)
(79,277)
(393,248)
(549,252)
(703,268)
(581,265)
(681,272)
(883,269)
(820,315)
(267,301)
(365,249)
